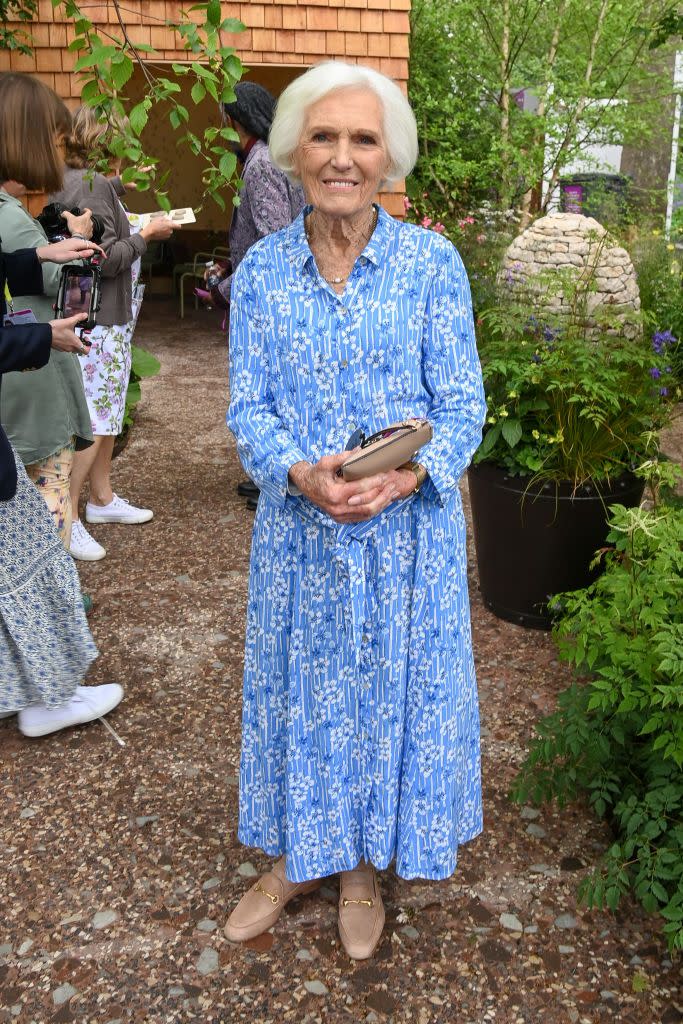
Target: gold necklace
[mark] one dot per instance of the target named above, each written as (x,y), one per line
(366,238)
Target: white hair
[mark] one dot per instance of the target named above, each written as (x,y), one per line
(400,129)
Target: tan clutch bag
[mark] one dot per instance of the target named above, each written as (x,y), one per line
(387,449)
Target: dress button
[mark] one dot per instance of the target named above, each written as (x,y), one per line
(343,310)
(344,363)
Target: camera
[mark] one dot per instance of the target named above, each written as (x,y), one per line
(79,291)
(55,227)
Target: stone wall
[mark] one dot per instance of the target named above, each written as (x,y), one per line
(564,255)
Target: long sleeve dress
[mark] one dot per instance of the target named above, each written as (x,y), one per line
(360,734)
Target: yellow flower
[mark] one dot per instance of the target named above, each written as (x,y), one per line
(503,413)
(535,434)
(671,247)
(656,232)
(490,419)
(513,394)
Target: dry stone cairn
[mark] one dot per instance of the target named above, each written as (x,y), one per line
(565,253)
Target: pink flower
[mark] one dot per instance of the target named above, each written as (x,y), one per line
(426,222)
(438,227)
(481,238)
(469,220)
(407,205)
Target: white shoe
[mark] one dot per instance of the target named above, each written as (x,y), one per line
(88,703)
(83,546)
(117,511)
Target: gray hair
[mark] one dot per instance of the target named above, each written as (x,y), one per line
(400,129)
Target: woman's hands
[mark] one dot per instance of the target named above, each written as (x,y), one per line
(158,229)
(64,337)
(81,225)
(352,502)
(67,250)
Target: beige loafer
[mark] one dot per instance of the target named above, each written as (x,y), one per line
(361,911)
(261,906)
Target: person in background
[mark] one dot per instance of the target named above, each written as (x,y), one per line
(360,727)
(106,369)
(45,644)
(269,201)
(44,414)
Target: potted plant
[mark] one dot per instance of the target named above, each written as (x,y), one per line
(575,401)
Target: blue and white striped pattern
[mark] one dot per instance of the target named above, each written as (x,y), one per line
(360,720)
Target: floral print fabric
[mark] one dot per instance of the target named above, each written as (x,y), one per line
(360,720)
(45,644)
(52,477)
(106,367)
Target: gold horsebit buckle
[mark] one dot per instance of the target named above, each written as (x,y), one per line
(365,903)
(274,899)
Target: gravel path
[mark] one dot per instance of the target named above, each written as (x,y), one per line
(118,865)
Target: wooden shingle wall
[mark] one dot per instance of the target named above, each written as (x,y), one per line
(295,33)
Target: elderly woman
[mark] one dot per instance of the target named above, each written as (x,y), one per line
(360,741)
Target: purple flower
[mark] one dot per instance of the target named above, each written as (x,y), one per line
(664,392)
(655,373)
(660,339)
(536,358)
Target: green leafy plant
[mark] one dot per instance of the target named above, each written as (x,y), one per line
(577,396)
(660,282)
(617,735)
(143,364)
(106,62)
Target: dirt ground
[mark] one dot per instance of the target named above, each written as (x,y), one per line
(119,864)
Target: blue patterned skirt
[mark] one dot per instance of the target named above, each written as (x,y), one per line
(45,643)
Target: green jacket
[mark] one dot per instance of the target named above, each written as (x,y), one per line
(41,411)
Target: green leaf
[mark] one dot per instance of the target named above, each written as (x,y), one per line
(213,12)
(144,364)
(232,25)
(512,432)
(138,116)
(121,72)
(227,165)
(198,92)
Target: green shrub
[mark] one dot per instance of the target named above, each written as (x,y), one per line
(660,281)
(617,735)
(144,364)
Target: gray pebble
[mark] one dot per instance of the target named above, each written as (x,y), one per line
(566,921)
(104,918)
(24,947)
(211,883)
(531,929)
(316,988)
(541,869)
(304,954)
(207,925)
(176,990)
(64,992)
(512,923)
(146,819)
(28,812)
(606,995)
(5,949)
(183,578)
(536,831)
(371,1018)
(565,950)
(247,870)
(635,961)
(208,961)
(530,813)
(410,932)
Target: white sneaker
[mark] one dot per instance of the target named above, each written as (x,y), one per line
(84,546)
(117,511)
(88,703)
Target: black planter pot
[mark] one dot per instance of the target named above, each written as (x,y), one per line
(534,541)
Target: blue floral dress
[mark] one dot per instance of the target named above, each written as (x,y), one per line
(360,733)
